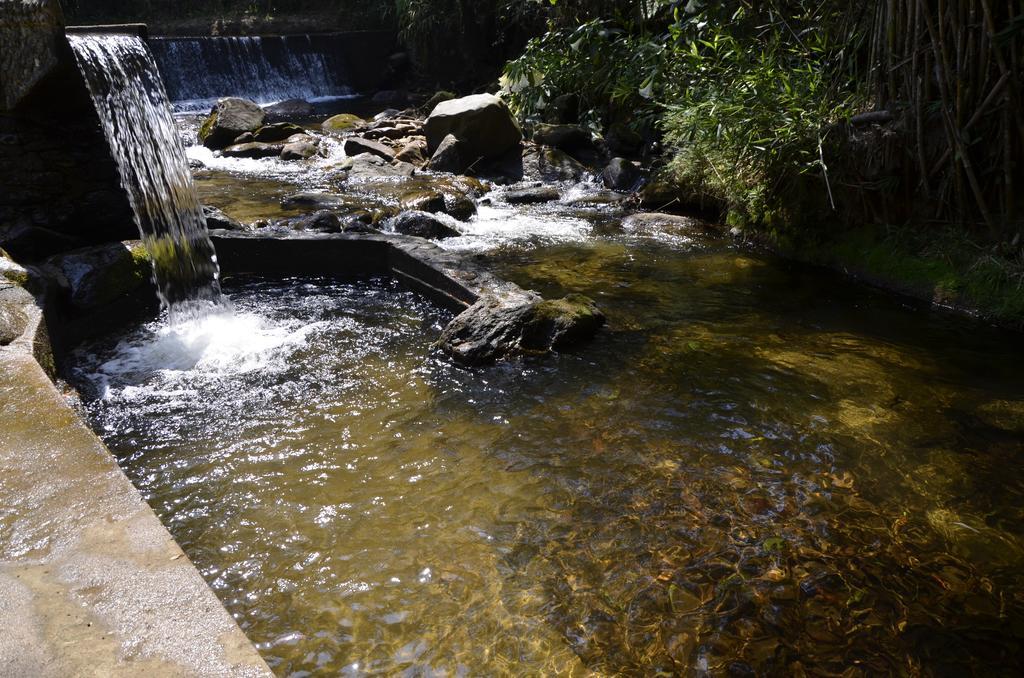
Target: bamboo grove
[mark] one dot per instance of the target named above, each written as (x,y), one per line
(952,70)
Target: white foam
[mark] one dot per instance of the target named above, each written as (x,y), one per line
(497,226)
(169,356)
(331,153)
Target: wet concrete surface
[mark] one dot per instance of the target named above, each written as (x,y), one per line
(91,584)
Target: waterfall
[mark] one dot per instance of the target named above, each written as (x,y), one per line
(198,71)
(129,96)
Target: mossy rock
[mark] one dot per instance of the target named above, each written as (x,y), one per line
(11,271)
(342,122)
(561,323)
(106,274)
(206,129)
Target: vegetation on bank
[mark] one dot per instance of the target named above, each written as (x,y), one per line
(883,137)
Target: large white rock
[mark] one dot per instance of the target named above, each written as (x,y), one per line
(482,121)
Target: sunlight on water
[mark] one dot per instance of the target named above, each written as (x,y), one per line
(500,225)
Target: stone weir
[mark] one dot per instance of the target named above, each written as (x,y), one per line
(495,318)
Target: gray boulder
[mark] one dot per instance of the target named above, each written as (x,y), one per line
(230,118)
(497,327)
(300,149)
(105,275)
(321,221)
(483,121)
(11,271)
(450,156)
(414,152)
(421,225)
(367,166)
(621,175)
(13,319)
(357,145)
(552,164)
(459,206)
(423,201)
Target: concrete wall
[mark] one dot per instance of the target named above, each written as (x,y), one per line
(61,189)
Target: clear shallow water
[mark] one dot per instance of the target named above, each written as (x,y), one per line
(753,468)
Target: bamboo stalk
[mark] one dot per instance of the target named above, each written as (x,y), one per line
(951,130)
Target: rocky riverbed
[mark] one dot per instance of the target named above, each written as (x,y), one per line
(441,172)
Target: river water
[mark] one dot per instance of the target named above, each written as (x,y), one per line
(754,469)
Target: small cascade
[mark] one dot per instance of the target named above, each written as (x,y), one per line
(129,96)
(198,71)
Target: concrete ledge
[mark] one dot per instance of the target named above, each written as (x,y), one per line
(447,279)
(141,30)
(90,582)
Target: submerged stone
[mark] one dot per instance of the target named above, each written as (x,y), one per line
(528,196)
(253,149)
(215,218)
(652,223)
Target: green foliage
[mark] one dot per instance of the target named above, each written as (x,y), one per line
(744,95)
(754,106)
(614,72)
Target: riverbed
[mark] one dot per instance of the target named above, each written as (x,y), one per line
(754,468)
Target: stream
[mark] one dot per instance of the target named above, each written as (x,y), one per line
(755,468)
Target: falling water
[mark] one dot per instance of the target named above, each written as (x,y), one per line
(133,108)
(264,69)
